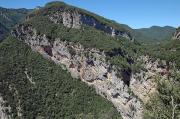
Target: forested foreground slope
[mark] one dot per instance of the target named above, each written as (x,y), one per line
(35,87)
(66,62)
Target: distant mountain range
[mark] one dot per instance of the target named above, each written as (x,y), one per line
(151,34)
(60,61)
(10,17)
(154,33)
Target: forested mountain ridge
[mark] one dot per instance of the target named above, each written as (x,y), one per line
(168,95)
(154,33)
(88,52)
(73,17)
(10,17)
(55,63)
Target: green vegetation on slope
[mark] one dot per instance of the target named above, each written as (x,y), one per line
(89,37)
(169,51)
(167,100)
(121,51)
(3,31)
(51,93)
(55,93)
(52,7)
(9,18)
(178,28)
(160,105)
(154,34)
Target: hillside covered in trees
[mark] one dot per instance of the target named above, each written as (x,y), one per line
(60,61)
(9,18)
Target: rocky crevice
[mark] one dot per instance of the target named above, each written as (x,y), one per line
(87,64)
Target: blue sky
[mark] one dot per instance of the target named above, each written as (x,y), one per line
(135,13)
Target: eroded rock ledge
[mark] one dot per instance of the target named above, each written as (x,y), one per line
(76,20)
(87,64)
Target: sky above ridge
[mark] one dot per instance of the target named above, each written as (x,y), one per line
(135,13)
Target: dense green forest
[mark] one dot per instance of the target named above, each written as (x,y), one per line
(38,88)
(52,7)
(164,101)
(154,34)
(167,50)
(167,100)
(50,87)
(9,18)
(51,93)
(120,51)
(3,30)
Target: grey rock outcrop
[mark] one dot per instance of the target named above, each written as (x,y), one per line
(87,64)
(144,84)
(176,35)
(3,109)
(76,20)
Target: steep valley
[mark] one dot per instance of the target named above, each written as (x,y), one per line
(9,18)
(66,62)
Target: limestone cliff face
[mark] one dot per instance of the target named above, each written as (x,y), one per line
(176,34)
(76,20)
(143,84)
(89,65)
